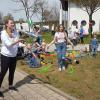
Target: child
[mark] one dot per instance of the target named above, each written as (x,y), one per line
(31,57)
(43,46)
(21,48)
(94,45)
(28,49)
(42,50)
(38,34)
(35,46)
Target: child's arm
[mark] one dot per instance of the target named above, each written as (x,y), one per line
(38,44)
(34,55)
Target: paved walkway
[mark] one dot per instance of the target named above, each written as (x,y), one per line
(78,47)
(32,89)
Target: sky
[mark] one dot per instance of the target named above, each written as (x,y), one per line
(8,6)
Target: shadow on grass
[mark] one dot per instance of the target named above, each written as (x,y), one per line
(28,80)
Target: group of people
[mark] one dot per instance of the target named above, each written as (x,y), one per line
(76,35)
(11,41)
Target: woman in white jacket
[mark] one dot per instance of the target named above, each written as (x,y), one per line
(10,40)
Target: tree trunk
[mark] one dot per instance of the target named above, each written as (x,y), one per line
(28,17)
(28,24)
(90,25)
(42,18)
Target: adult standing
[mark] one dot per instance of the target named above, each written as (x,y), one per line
(60,43)
(10,40)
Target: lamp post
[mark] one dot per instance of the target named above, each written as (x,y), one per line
(68,15)
(60,17)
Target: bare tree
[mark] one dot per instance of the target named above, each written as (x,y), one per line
(42,9)
(28,6)
(1,18)
(1,22)
(21,20)
(46,15)
(55,13)
(90,6)
(9,15)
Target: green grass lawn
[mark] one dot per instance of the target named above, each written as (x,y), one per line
(49,37)
(46,35)
(83,82)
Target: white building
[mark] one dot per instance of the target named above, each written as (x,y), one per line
(75,13)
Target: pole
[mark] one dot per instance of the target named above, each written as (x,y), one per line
(60,18)
(68,15)
(65,20)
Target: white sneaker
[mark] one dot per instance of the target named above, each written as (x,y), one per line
(59,69)
(63,68)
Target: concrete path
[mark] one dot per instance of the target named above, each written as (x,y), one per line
(32,89)
(78,47)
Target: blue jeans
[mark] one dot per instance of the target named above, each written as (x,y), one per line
(61,53)
(94,49)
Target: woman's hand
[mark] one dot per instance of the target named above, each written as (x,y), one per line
(21,40)
(48,46)
(72,46)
